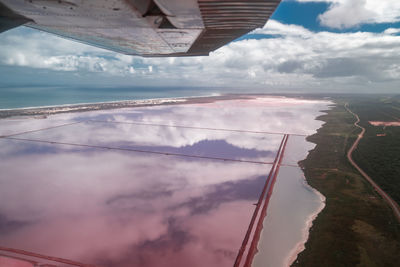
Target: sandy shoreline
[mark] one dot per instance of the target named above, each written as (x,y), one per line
(51,110)
(300,246)
(82,107)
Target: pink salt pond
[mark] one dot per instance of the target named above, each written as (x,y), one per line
(156,186)
(14,262)
(385,123)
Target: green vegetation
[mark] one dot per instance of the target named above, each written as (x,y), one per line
(356,228)
(377,155)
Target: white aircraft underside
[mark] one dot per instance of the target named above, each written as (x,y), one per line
(142,27)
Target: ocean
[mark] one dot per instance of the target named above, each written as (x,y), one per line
(24,97)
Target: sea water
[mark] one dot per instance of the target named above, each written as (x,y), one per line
(38,96)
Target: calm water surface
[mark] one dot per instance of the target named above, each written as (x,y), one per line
(149,186)
(292,207)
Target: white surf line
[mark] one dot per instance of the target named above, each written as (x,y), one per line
(124,101)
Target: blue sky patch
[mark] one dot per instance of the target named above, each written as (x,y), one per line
(257,36)
(304,14)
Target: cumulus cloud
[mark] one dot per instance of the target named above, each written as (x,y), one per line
(295,58)
(31,48)
(350,13)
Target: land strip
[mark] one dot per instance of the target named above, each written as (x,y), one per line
(386,197)
(357,227)
(378,152)
(21,253)
(51,110)
(253,233)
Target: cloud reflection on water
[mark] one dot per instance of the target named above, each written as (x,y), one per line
(119,208)
(82,204)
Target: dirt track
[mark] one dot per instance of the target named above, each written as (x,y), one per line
(395,207)
(253,234)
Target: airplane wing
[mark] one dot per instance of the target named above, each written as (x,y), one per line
(142,27)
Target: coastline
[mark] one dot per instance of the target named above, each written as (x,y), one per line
(286,250)
(108,102)
(82,107)
(354,217)
(301,245)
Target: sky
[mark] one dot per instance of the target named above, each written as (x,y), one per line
(324,46)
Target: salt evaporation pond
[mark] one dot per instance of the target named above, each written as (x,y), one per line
(161,185)
(291,210)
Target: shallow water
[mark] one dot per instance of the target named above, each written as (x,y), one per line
(291,210)
(117,208)
(163,185)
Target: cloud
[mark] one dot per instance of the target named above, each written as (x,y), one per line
(31,48)
(344,14)
(294,59)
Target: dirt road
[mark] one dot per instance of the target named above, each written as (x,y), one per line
(395,207)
